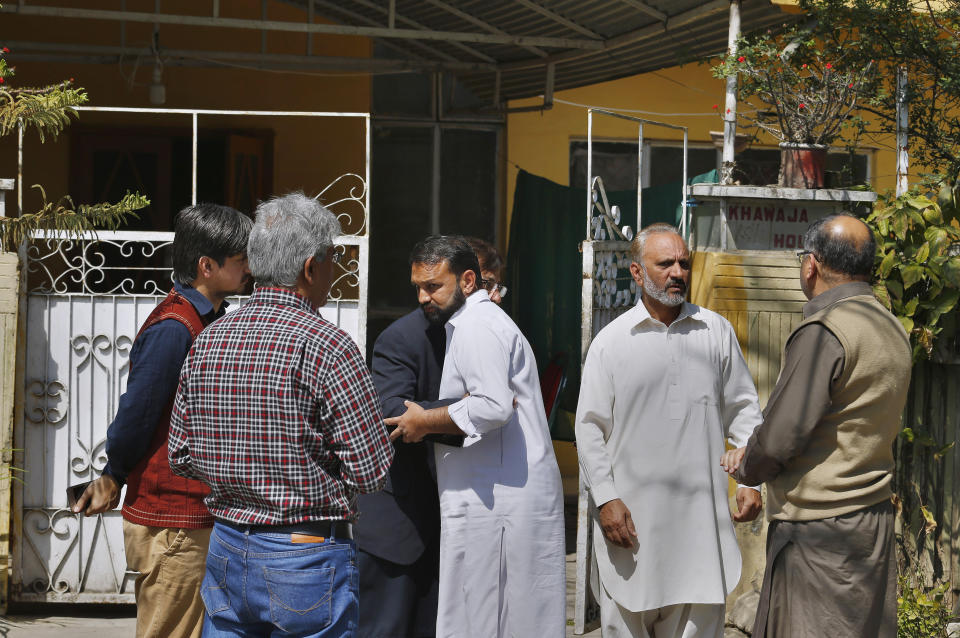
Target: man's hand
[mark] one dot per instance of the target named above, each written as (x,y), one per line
(410,424)
(617,524)
(749,504)
(730,461)
(100,496)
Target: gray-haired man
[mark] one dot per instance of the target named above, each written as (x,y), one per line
(277,413)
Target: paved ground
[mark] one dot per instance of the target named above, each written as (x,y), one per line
(82,621)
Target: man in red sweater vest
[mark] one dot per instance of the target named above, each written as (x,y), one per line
(166,526)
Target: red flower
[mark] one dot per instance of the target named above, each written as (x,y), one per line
(741,59)
(850,86)
(828,65)
(802,105)
(803,66)
(6,50)
(2,80)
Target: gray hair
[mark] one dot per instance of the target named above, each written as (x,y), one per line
(289,230)
(636,247)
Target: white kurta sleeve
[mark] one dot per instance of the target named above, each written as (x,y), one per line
(482,360)
(740,406)
(593,426)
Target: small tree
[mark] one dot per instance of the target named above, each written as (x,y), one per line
(808,92)
(48,110)
(922,36)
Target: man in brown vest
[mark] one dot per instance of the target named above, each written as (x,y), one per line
(166,526)
(825,450)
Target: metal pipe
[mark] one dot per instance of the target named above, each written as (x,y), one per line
(589,178)
(140,236)
(20,169)
(638,119)
(730,102)
(302,27)
(101,54)
(133,109)
(903,120)
(639,176)
(263,32)
(193,187)
(435,183)
(683,189)
(310,19)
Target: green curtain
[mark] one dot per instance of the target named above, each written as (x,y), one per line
(544,264)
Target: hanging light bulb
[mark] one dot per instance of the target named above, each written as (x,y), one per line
(158,91)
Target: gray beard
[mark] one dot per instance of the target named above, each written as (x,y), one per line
(660,294)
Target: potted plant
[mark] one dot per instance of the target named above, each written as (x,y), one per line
(807,98)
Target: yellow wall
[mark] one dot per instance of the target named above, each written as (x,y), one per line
(308,153)
(540,142)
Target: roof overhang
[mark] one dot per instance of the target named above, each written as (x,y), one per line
(500,49)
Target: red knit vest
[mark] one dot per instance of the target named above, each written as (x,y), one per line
(156,497)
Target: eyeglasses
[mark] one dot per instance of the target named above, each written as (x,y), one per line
(492,286)
(803,253)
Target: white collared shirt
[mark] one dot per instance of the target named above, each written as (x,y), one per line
(656,404)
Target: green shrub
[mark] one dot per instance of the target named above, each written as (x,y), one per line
(922,612)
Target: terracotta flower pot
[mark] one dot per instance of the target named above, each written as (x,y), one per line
(801,165)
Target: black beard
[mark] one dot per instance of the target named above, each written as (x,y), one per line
(438,316)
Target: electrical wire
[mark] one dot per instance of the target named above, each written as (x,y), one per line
(640,111)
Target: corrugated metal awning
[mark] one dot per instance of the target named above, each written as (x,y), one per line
(500,49)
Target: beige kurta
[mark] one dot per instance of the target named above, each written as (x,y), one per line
(656,405)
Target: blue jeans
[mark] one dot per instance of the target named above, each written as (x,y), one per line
(261,584)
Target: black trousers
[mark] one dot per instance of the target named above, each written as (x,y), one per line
(398,601)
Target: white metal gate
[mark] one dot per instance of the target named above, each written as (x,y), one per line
(608,291)
(83,301)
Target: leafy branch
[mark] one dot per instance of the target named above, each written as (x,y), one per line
(49,110)
(918,260)
(64,217)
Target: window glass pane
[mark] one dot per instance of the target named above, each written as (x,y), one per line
(614,162)
(400,211)
(846,172)
(468,182)
(401,94)
(666,163)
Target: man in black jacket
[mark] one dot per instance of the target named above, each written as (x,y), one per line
(398,531)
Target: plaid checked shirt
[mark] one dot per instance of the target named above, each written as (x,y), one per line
(277,413)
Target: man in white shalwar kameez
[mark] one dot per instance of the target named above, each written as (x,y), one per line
(502,569)
(662,387)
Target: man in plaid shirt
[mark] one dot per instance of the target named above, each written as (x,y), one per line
(277,413)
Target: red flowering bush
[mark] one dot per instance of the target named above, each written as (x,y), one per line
(803,94)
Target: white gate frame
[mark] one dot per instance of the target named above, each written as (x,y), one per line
(608,291)
(68,542)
